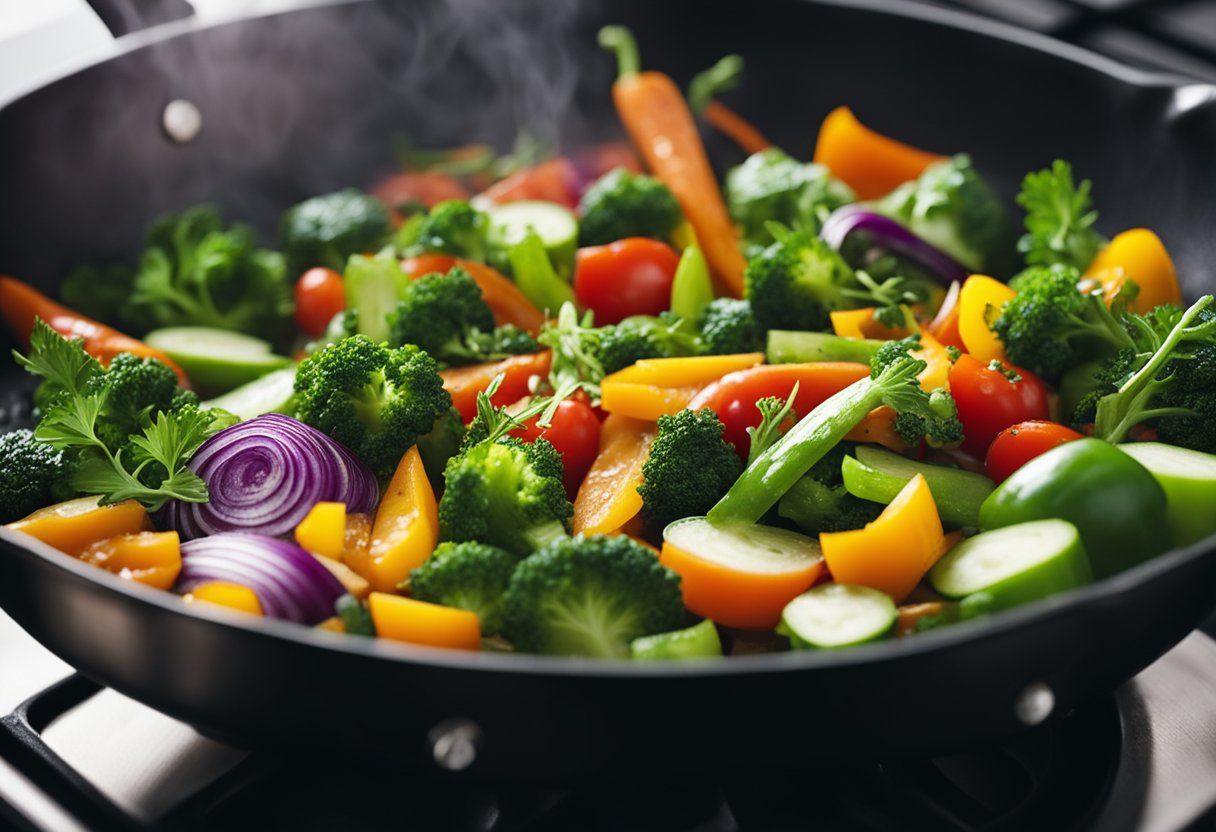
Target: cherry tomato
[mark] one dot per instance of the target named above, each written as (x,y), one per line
(1017,445)
(629,277)
(575,432)
(320,294)
(989,401)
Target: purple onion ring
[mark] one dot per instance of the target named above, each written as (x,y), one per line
(891,236)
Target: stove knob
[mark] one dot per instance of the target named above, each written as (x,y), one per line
(1035,704)
(181,120)
(454,744)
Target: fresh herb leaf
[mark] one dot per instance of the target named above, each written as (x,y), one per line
(1059,219)
(63,363)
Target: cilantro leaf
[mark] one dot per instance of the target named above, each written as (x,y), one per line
(1059,217)
(62,362)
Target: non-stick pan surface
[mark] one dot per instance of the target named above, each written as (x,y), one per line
(305,102)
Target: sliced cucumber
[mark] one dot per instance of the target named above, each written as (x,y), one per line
(791,347)
(697,642)
(837,615)
(373,290)
(216,359)
(1189,480)
(1015,565)
(879,475)
(269,394)
(744,546)
(556,226)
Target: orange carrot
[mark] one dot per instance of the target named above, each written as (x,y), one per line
(608,498)
(22,304)
(464,383)
(657,118)
(741,131)
(506,301)
(868,162)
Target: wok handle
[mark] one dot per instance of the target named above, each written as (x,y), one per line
(122,17)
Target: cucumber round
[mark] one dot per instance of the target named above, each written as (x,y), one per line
(271,393)
(556,226)
(216,359)
(837,615)
(744,546)
(696,642)
(1189,480)
(1015,564)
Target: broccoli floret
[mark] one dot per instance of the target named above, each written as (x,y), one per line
(136,389)
(623,204)
(32,475)
(1050,325)
(373,399)
(820,503)
(326,230)
(506,493)
(452,227)
(770,185)
(439,445)
(1059,217)
(918,414)
(952,208)
(728,326)
(590,596)
(470,576)
(689,468)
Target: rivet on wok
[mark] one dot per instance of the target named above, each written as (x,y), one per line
(182,120)
(454,744)
(1035,704)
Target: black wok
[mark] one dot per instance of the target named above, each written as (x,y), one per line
(304,102)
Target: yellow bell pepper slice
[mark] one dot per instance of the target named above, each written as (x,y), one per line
(861,323)
(933,352)
(979,304)
(233,596)
(1140,256)
(73,525)
(405,530)
(152,558)
(323,530)
(418,622)
(655,387)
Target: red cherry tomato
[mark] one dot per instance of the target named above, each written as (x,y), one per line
(575,432)
(320,294)
(989,401)
(629,277)
(1017,445)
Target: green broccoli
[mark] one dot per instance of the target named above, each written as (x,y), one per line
(470,576)
(440,444)
(373,399)
(820,503)
(1050,325)
(590,596)
(33,474)
(446,316)
(728,326)
(1059,219)
(689,468)
(770,185)
(931,416)
(452,227)
(506,493)
(952,208)
(326,230)
(623,204)
(136,389)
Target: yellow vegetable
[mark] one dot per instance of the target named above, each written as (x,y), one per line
(608,497)
(417,622)
(233,596)
(979,304)
(152,558)
(1140,256)
(73,525)
(405,530)
(655,387)
(323,530)
(861,323)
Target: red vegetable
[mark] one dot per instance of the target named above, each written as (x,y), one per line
(1017,445)
(628,277)
(990,401)
(575,433)
(265,475)
(320,294)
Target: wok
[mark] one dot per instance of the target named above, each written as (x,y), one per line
(307,101)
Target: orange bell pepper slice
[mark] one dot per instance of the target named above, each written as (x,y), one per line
(72,526)
(224,594)
(868,162)
(418,622)
(608,498)
(323,530)
(464,383)
(1140,256)
(152,558)
(655,387)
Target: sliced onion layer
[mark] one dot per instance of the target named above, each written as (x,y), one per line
(288,581)
(890,236)
(266,474)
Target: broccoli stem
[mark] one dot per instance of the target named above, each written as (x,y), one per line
(775,471)
(620,40)
(544,534)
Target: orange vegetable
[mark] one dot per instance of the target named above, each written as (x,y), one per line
(741,131)
(909,615)
(354,583)
(1137,255)
(464,383)
(21,304)
(657,387)
(333,624)
(323,530)
(608,497)
(663,129)
(233,596)
(868,162)
(405,531)
(425,187)
(358,537)
(152,558)
(944,326)
(506,301)
(894,552)
(417,622)
(879,428)
(933,353)
(72,526)
(553,180)
(861,323)
(644,401)
(979,304)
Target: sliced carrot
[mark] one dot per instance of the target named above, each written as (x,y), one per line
(506,301)
(1137,255)
(734,126)
(608,497)
(152,558)
(979,305)
(233,596)
(418,622)
(72,526)
(868,162)
(464,383)
(323,530)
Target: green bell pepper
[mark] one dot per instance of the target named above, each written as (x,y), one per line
(1115,503)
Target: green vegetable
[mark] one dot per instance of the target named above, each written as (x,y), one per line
(33,474)
(272,393)
(453,227)
(1079,392)
(892,382)
(439,445)
(772,186)
(1116,505)
(470,576)
(879,475)
(837,615)
(728,326)
(1059,217)
(326,230)
(374,286)
(689,468)
(691,289)
(356,617)
(819,501)
(790,347)
(371,398)
(776,414)
(217,359)
(590,596)
(696,642)
(555,226)
(534,274)
(1014,565)
(624,204)
(951,207)
(723,76)
(1189,480)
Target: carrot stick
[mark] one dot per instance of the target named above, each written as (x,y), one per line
(738,129)
(662,127)
(22,304)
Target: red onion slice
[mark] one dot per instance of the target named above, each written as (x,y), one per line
(891,236)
